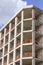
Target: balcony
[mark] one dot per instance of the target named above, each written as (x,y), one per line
(17,53)
(12,35)
(1,53)
(11,45)
(37,55)
(13,24)
(1,62)
(27,37)
(27,54)
(11,64)
(18,29)
(11,60)
(27,25)
(18,17)
(27,62)
(27,41)
(37,35)
(17,56)
(17,63)
(2,33)
(5,60)
(27,51)
(6,39)
(11,57)
(37,24)
(6,50)
(1,43)
(18,43)
(27,13)
(5,63)
(18,40)
(38,52)
(7,28)
(36,42)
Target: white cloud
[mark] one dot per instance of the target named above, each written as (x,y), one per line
(8,8)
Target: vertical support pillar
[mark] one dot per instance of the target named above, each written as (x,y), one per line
(21,50)
(4,35)
(9,43)
(4,40)
(33,36)
(15,41)
(3,45)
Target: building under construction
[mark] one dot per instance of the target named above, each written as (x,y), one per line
(21,39)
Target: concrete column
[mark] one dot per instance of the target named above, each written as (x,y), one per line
(15,40)
(3,45)
(21,50)
(4,34)
(33,36)
(8,43)
(4,40)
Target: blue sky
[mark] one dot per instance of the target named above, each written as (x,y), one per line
(9,7)
(38,3)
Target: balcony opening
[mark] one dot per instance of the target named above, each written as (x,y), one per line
(38,37)
(27,13)
(5,60)
(1,44)
(38,24)
(27,25)
(17,53)
(18,29)
(27,62)
(19,17)
(7,28)
(6,49)
(12,35)
(11,45)
(27,37)
(37,41)
(11,57)
(1,53)
(11,64)
(6,39)
(38,62)
(27,51)
(2,33)
(13,24)
(18,40)
(17,63)
(38,53)
(0,61)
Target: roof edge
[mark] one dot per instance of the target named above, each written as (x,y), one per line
(29,6)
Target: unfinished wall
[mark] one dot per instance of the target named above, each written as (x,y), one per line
(40,30)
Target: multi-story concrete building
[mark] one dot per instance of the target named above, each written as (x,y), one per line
(21,39)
